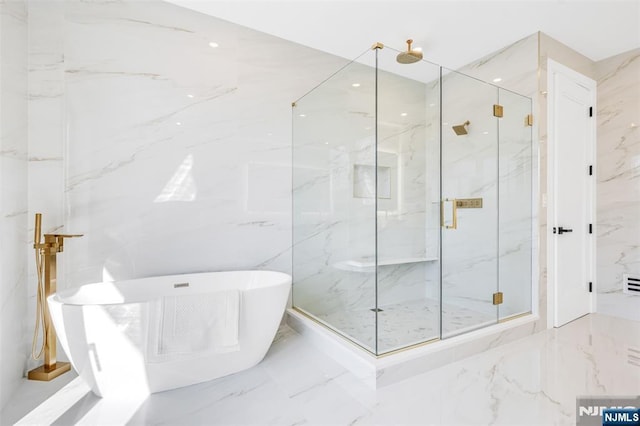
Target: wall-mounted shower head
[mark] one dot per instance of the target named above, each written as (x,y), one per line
(461,129)
(410,56)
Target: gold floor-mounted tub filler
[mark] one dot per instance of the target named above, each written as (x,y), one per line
(46,266)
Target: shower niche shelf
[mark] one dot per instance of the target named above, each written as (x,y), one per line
(360,265)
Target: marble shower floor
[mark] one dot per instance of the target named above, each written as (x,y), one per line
(405,324)
(532,381)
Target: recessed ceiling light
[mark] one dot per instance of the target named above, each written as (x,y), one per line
(445,124)
(633,125)
(367,128)
(326,143)
(497,80)
(178,123)
(403,114)
(190,96)
(355,85)
(432,105)
(485,133)
(302,115)
(213,44)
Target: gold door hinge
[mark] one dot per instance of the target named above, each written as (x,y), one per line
(497,110)
(497,298)
(528,120)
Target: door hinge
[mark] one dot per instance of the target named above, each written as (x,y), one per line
(528,120)
(590,170)
(590,111)
(591,228)
(498,110)
(497,298)
(590,287)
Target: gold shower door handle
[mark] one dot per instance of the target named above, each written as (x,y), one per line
(454,211)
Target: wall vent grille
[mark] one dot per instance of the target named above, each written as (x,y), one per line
(630,285)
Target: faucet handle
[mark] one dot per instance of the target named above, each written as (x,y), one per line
(37,230)
(58,240)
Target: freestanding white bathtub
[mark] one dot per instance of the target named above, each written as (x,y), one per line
(154,334)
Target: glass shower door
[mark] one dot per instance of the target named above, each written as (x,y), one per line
(515,211)
(469,204)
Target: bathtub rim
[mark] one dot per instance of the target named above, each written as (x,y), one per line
(66,296)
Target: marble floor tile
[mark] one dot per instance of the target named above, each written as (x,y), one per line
(404,324)
(532,381)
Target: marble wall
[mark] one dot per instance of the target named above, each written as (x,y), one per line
(13,198)
(171,155)
(618,182)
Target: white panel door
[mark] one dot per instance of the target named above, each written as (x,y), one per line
(571,139)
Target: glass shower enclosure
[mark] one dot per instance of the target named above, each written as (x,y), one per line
(412,215)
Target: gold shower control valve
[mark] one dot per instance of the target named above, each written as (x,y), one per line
(457,203)
(469,203)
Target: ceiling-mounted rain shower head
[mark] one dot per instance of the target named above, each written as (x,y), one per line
(461,129)
(410,56)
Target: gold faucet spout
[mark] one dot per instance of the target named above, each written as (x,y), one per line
(56,241)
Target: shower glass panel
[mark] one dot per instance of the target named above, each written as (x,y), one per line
(334,202)
(409,184)
(469,204)
(515,162)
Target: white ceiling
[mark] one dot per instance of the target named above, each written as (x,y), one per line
(451,33)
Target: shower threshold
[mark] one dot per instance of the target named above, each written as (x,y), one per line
(410,360)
